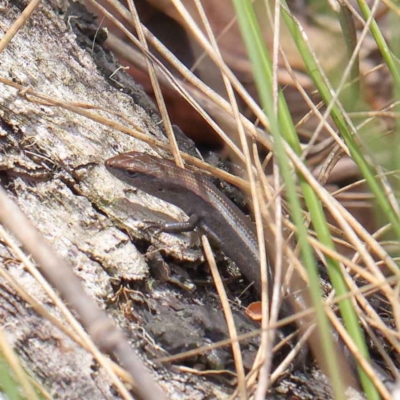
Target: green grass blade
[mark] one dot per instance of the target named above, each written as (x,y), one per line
(283,126)
(337,115)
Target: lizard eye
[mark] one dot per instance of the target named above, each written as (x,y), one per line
(133,174)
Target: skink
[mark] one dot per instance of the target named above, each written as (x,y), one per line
(222,221)
(213,214)
(208,208)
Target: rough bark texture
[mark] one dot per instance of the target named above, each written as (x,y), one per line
(51,163)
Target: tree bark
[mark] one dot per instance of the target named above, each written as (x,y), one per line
(52,166)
